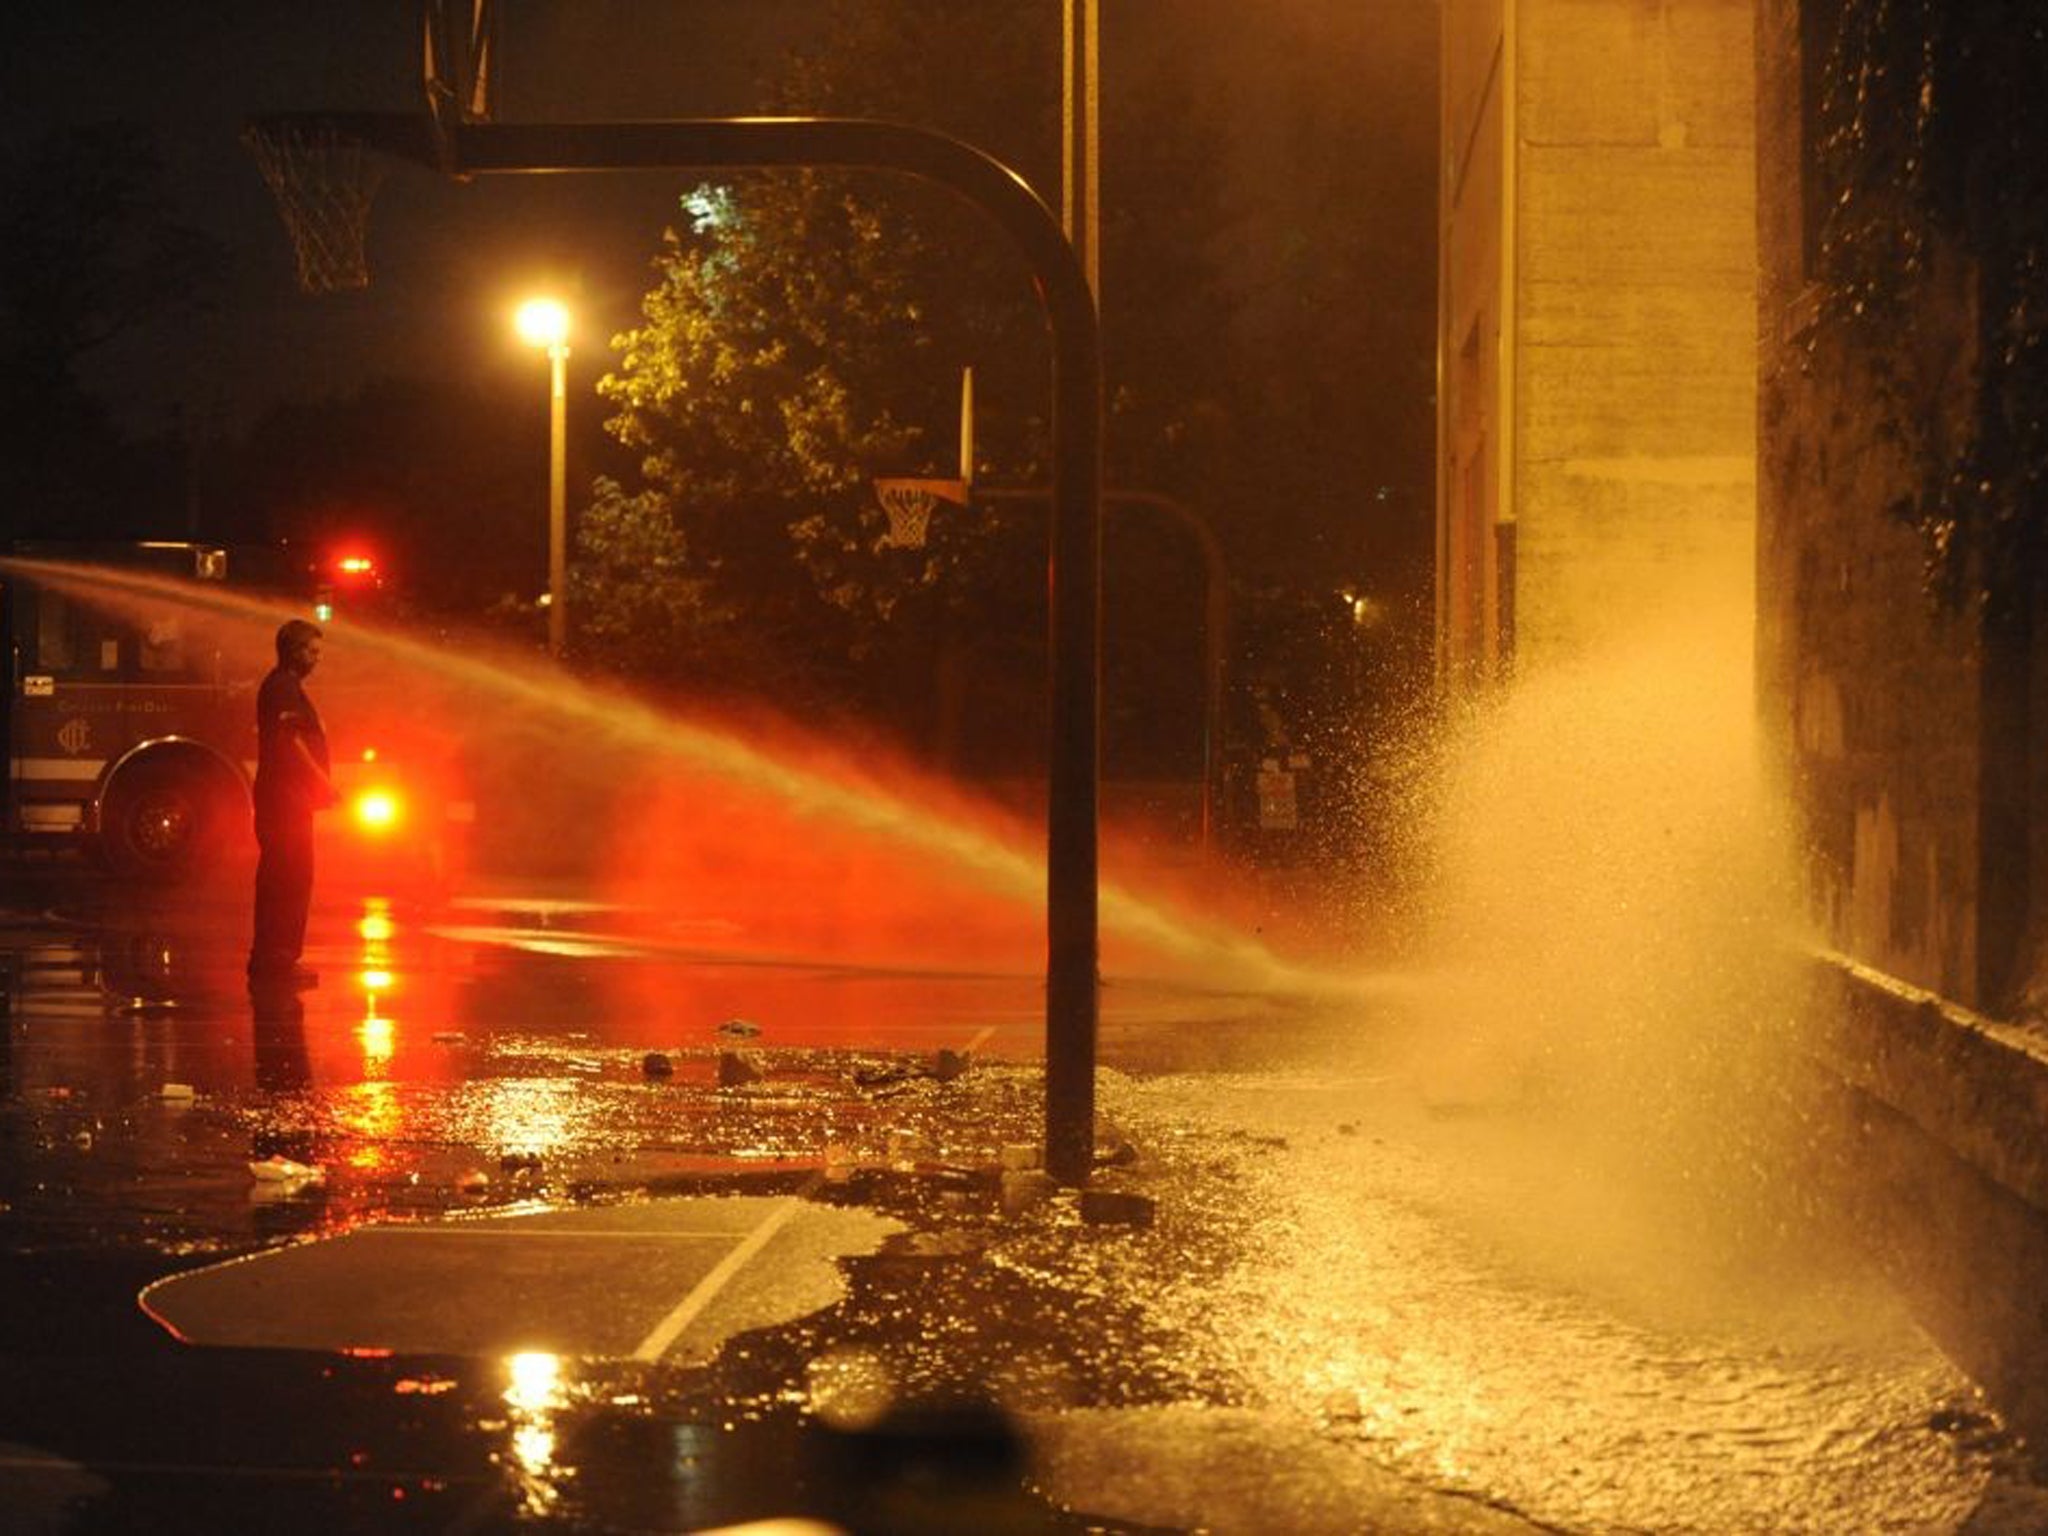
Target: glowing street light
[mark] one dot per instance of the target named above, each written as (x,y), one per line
(545,323)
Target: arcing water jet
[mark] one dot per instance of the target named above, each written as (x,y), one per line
(878,859)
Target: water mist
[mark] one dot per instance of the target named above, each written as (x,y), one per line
(1612,919)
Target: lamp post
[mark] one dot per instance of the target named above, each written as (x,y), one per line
(545,323)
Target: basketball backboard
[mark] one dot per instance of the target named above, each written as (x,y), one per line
(458,62)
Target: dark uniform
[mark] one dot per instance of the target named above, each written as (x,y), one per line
(287,795)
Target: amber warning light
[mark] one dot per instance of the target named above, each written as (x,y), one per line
(376,810)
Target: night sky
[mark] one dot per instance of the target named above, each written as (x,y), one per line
(447,260)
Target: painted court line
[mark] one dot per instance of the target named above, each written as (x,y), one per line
(670,1328)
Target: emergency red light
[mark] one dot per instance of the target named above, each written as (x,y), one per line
(376,810)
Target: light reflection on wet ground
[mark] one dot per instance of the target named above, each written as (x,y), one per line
(1390,1306)
(1347,1263)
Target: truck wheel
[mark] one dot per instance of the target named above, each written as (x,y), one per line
(165,821)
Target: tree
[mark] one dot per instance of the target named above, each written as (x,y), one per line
(806,333)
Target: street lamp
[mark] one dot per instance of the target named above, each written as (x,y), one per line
(545,323)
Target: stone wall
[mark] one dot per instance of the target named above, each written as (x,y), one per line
(1906,734)
(1870,692)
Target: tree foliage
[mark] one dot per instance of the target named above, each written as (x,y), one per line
(806,333)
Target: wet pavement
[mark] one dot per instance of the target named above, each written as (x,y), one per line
(542,1210)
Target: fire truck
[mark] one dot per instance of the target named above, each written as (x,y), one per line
(130,724)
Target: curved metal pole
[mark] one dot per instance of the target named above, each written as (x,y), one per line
(1075,563)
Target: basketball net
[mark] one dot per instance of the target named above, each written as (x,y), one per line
(909,504)
(323,180)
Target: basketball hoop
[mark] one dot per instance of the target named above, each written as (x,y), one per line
(909,504)
(323,179)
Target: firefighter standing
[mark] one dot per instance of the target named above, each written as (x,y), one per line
(292,783)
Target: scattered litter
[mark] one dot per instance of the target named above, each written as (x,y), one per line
(936,1245)
(909,1147)
(1116,1208)
(1023,1188)
(657,1064)
(83,1141)
(449,1037)
(943,1067)
(882,1076)
(734,1070)
(839,1163)
(179,1092)
(586,1064)
(740,1028)
(474,1182)
(519,1163)
(283,1170)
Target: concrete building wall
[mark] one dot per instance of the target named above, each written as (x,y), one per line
(1617,145)
(1472,630)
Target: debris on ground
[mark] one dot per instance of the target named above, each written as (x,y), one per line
(744,1029)
(179,1093)
(735,1070)
(1116,1208)
(886,1075)
(449,1037)
(474,1182)
(1023,1188)
(657,1064)
(284,1170)
(945,1066)
(907,1147)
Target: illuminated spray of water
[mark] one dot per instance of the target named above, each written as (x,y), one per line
(1612,921)
(580,712)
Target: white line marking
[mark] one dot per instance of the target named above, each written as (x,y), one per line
(665,1333)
